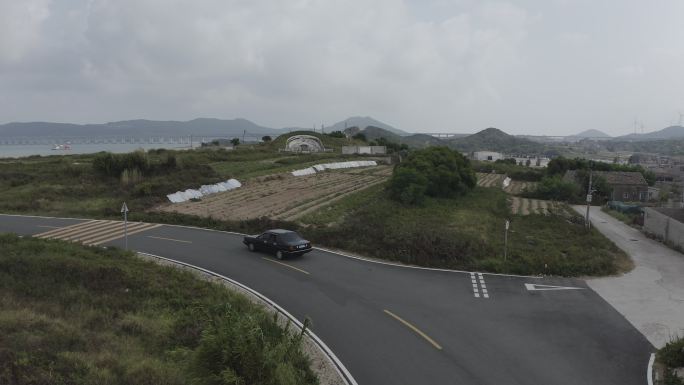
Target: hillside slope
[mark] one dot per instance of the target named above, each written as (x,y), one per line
(493,139)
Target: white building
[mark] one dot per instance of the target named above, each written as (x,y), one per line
(490,156)
(304,143)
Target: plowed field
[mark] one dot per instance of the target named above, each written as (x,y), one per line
(283,196)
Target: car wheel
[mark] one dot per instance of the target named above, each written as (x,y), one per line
(251,247)
(279,254)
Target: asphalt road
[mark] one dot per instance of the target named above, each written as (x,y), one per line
(400,325)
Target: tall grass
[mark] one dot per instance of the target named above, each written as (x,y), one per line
(75,315)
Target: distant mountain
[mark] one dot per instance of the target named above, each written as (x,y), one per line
(363,122)
(414,141)
(672,132)
(590,134)
(422,141)
(493,139)
(201,126)
(373,133)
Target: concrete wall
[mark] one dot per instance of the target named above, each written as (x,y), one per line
(368,150)
(669,229)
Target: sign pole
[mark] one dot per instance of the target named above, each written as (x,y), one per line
(508,224)
(124,210)
(587,223)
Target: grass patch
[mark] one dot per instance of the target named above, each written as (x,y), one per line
(76,315)
(464,233)
(671,356)
(629,219)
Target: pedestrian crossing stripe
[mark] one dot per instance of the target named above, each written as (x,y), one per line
(96,232)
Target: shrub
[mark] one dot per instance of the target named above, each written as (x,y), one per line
(408,186)
(441,172)
(555,188)
(266,138)
(336,134)
(113,165)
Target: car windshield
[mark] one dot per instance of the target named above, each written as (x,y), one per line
(290,237)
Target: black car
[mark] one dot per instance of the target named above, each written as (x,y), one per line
(278,241)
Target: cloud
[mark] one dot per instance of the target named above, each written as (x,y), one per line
(421,65)
(20,27)
(272,61)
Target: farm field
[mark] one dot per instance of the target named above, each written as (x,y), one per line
(282,196)
(496,180)
(526,206)
(516,187)
(490,180)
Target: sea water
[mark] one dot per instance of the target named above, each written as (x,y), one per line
(17,151)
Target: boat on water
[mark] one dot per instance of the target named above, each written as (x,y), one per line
(62,147)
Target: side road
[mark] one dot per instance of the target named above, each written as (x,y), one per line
(651,296)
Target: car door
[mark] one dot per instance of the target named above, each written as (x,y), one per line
(271,245)
(261,242)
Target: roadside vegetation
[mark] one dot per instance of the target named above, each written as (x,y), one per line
(76,315)
(672,357)
(464,233)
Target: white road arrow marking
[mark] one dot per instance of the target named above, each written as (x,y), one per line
(537,287)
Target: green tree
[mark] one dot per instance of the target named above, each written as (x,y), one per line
(436,172)
(266,138)
(235,141)
(555,188)
(337,134)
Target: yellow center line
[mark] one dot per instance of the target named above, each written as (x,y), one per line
(415,329)
(169,239)
(286,265)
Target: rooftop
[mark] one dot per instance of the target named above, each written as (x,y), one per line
(615,177)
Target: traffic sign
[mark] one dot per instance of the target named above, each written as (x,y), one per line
(124,208)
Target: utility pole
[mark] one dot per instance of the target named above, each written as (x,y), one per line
(244,133)
(587,224)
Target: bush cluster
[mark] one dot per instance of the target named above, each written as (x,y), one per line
(435,171)
(76,315)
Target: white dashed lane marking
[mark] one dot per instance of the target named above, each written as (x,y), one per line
(482,286)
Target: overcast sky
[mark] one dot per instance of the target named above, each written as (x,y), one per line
(547,67)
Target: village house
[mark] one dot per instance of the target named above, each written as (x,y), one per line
(625,186)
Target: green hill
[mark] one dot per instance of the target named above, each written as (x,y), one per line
(493,139)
